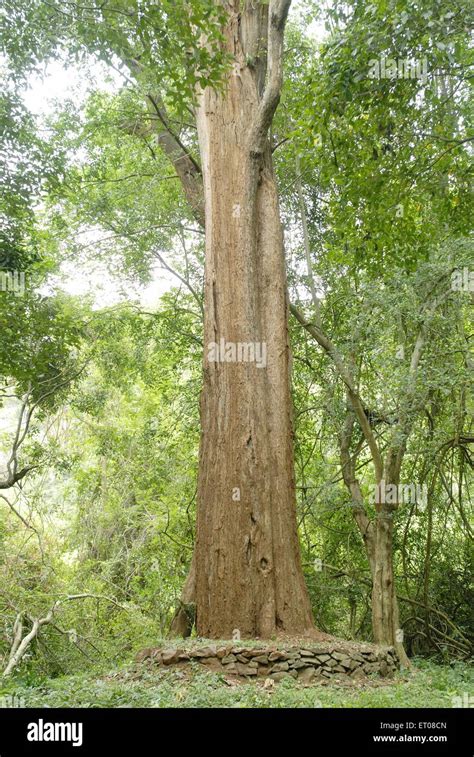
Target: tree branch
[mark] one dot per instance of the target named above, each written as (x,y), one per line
(352,393)
(19,648)
(277,15)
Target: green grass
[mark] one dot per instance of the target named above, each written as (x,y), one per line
(426,685)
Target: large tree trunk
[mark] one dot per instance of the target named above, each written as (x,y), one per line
(382,580)
(385,616)
(247,565)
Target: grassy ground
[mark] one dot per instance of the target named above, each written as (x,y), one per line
(426,685)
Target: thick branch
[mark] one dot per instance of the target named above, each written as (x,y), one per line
(187,169)
(277,15)
(402,430)
(18,649)
(348,463)
(352,393)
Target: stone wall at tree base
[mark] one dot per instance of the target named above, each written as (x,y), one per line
(305,663)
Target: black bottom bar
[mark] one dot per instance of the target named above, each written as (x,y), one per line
(142,732)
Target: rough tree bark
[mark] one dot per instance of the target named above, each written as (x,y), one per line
(246,571)
(385,612)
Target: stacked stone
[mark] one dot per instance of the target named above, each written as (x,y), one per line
(305,664)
